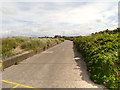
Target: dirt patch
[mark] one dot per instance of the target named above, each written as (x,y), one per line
(18,49)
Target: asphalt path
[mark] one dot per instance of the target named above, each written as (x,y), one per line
(53,68)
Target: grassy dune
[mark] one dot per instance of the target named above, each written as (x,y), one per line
(15,45)
(100,52)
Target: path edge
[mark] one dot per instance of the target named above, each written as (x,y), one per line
(20,57)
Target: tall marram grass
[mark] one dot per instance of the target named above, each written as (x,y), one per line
(26,44)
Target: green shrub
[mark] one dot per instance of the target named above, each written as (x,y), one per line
(100,52)
(16,63)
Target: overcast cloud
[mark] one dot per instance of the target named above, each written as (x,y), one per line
(57,18)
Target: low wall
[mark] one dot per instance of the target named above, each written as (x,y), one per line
(20,57)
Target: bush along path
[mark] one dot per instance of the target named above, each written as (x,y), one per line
(100,52)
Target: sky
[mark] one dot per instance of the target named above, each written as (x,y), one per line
(38,19)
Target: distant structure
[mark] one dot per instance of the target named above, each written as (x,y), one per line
(58,36)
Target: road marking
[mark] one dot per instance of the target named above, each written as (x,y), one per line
(0,64)
(19,85)
(14,87)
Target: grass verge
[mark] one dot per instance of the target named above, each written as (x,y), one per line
(12,46)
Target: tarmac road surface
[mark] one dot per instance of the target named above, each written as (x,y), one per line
(53,68)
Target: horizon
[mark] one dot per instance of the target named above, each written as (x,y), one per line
(54,36)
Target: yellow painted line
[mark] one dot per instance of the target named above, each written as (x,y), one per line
(9,82)
(14,87)
(20,84)
(0,64)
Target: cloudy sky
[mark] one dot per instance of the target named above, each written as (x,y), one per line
(57,18)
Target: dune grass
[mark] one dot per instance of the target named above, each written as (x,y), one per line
(25,44)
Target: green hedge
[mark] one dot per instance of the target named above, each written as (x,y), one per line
(100,53)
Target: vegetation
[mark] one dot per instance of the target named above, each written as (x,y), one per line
(22,44)
(100,52)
